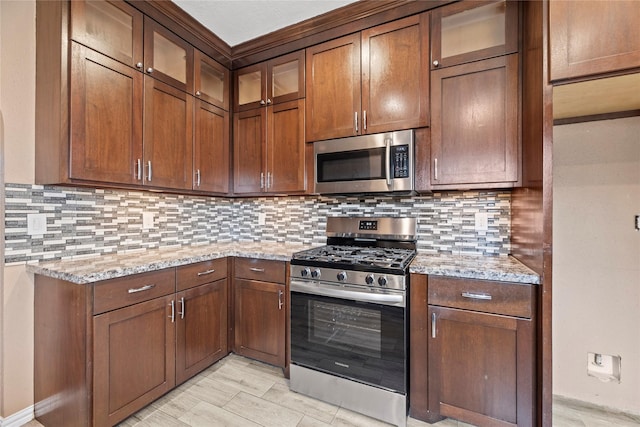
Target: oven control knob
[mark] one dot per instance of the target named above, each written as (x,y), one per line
(342,276)
(305,272)
(382,281)
(369,279)
(315,273)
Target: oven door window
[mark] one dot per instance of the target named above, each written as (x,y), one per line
(360,341)
(358,165)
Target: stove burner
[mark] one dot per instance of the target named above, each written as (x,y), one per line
(358,256)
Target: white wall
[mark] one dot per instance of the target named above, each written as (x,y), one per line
(17,103)
(596,258)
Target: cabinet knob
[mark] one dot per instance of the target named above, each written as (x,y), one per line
(268,101)
(262,102)
(139,65)
(436,63)
(198,93)
(149,70)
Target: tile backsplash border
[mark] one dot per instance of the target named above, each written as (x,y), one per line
(90,222)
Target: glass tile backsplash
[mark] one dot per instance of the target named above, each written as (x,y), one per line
(86,222)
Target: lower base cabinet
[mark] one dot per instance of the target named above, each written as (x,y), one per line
(479,361)
(260,310)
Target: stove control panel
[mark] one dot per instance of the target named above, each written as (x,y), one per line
(373,281)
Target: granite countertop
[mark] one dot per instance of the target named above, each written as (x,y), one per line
(110,266)
(500,268)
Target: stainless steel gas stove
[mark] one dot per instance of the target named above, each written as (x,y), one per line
(348,316)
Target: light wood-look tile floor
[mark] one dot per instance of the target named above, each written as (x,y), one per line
(239,392)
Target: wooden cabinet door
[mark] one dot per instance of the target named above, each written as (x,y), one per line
(593,37)
(211,149)
(469,31)
(480,367)
(113,28)
(211,81)
(168,140)
(134,359)
(286,147)
(333,89)
(285,78)
(167,57)
(260,320)
(395,75)
(250,87)
(106,118)
(248,149)
(474,123)
(201,328)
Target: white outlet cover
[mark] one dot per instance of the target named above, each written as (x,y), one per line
(36,224)
(482,221)
(262,218)
(147,220)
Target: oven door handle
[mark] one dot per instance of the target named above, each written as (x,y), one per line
(332,291)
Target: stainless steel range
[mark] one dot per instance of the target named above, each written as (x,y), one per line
(348,316)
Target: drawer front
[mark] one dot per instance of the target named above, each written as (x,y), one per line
(260,269)
(116,293)
(510,299)
(189,276)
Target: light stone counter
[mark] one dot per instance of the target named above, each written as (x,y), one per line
(499,268)
(103,267)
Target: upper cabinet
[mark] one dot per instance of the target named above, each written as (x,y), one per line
(211,81)
(271,82)
(593,37)
(111,28)
(369,82)
(470,31)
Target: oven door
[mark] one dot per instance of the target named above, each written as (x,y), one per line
(355,335)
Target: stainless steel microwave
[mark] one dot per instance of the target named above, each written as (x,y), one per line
(377,163)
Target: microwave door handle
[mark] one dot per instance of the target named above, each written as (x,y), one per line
(387,162)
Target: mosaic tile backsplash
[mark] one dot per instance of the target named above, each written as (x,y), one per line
(83,222)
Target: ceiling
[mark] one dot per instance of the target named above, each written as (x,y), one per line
(237,21)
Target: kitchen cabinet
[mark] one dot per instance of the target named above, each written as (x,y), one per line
(105,350)
(369,82)
(201,316)
(591,37)
(270,82)
(470,31)
(475,125)
(260,309)
(211,157)
(269,149)
(481,364)
(211,81)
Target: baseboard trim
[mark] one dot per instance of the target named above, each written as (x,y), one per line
(569,401)
(19,418)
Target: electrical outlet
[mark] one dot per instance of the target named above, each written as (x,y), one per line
(604,367)
(36,224)
(147,220)
(262,218)
(482,221)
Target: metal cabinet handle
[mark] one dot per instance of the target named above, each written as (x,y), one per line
(436,63)
(204,273)
(150,172)
(257,270)
(269,180)
(182,308)
(433,325)
(435,169)
(355,120)
(139,65)
(198,178)
(139,169)
(364,120)
(173,311)
(280,301)
(149,70)
(470,295)
(141,289)
(261,179)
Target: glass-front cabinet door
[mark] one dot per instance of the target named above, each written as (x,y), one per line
(250,84)
(112,28)
(211,81)
(470,31)
(168,58)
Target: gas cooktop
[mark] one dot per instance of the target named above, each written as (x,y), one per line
(355,257)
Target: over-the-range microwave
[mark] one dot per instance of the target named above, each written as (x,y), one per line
(377,163)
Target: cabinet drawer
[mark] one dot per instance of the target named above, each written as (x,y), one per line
(191,275)
(510,299)
(260,269)
(121,292)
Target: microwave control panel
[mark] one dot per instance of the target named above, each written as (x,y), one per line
(400,161)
